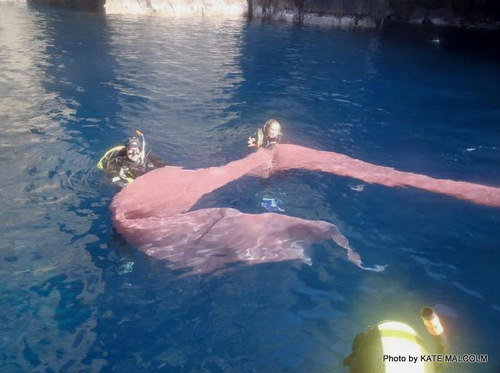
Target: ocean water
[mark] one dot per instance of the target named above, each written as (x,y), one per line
(75,297)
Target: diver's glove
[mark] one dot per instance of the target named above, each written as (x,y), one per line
(252,142)
(119,182)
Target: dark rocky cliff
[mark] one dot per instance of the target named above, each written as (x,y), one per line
(376,12)
(337,13)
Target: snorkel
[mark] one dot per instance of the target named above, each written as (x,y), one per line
(143,153)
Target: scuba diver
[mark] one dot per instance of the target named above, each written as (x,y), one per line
(387,346)
(267,136)
(125,163)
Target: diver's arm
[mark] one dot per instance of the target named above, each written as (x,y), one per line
(287,156)
(113,170)
(252,141)
(257,139)
(153,162)
(119,182)
(118,172)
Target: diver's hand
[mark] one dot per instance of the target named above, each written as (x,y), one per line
(119,182)
(252,142)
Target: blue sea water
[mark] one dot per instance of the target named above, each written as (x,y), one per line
(75,297)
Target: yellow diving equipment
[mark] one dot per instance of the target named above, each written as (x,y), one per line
(395,347)
(101,165)
(121,164)
(117,172)
(256,140)
(399,342)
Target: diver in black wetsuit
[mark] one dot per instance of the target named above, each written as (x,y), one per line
(125,163)
(268,136)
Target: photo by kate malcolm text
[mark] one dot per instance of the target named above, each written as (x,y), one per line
(437,358)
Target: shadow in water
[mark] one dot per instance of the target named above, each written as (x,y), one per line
(93,6)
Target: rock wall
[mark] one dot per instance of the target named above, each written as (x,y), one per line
(179,8)
(370,13)
(364,13)
(336,13)
(88,5)
(447,12)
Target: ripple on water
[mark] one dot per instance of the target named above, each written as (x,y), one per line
(73,84)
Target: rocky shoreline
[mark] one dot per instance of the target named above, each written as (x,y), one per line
(442,16)
(371,13)
(484,14)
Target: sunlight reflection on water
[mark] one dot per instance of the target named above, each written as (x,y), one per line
(76,297)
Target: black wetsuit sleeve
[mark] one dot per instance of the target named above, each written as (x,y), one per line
(154,162)
(113,171)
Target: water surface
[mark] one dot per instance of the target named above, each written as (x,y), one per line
(76,297)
